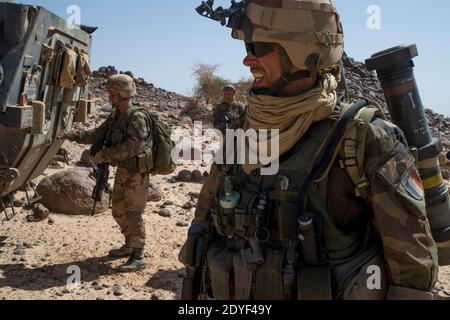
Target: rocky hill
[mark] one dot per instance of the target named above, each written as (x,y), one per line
(165,103)
(361,82)
(148,93)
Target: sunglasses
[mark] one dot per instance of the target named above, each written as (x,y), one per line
(259,49)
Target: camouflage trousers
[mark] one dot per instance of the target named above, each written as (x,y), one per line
(128,203)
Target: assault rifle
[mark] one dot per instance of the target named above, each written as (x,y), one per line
(101,176)
(197,243)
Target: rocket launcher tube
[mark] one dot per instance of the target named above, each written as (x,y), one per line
(395,70)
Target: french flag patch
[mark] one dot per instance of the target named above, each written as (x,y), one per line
(413,185)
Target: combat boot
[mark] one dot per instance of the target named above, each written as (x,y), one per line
(122,252)
(135,263)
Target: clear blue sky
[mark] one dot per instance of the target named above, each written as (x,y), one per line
(162,40)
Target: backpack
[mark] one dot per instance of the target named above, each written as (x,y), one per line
(157,155)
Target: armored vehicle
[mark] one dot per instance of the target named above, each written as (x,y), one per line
(44,71)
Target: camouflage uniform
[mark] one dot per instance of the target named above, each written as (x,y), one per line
(130,188)
(232,110)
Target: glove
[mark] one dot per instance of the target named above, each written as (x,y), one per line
(98,158)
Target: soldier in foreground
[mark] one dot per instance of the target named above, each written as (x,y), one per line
(228,111)
(347,201)
(125,135)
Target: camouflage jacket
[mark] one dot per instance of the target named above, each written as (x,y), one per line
(128,135)
(396,212)
(233,111)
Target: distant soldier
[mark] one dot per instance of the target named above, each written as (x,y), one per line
(126,135)
(229,111)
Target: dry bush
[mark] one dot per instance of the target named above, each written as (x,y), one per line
(208,91)
(208,86)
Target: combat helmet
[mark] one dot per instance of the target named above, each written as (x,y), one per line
(309,32)
(229,88)
(123,84)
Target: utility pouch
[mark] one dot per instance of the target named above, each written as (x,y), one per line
(314,283)
(269,276)
(252,256)
(221,272)
(38,117)
(244,223)
(221,221)
(83,70)
(287,217)
(225,219)
(144,162)
(243,279)
(141,160)
(215,247)
(47,53)
(214,211)
(81,112)
(68,70)
(244,220)
(363,278)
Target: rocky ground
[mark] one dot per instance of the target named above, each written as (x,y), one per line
(37,260)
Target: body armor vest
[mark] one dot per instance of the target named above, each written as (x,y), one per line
(264,234)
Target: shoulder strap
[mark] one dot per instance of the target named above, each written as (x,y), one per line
(353,152)
(151,120)
(328,153)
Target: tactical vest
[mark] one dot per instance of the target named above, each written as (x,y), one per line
(262,245)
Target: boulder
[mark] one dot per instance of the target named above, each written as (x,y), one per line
(197,176)
(186,121)
(184,176)
(40,213)
(69,192)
